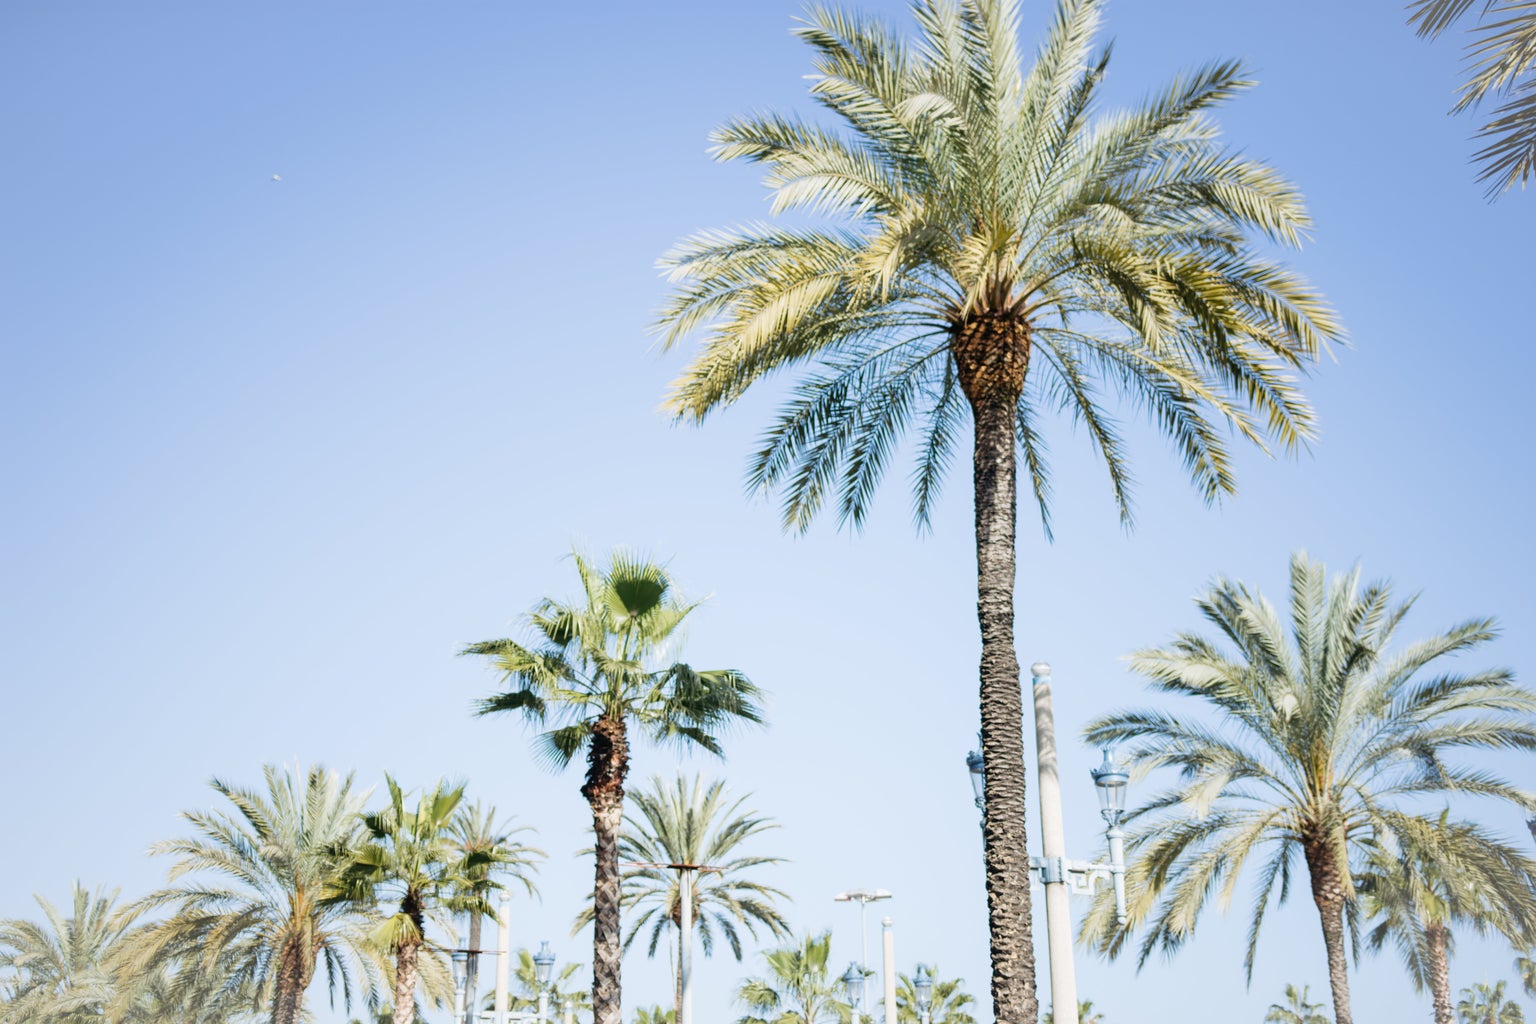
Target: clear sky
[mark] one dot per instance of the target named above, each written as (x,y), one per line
(274,450)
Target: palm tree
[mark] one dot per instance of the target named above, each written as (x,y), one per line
(1000,254)
(797,989)
(655,1015)
(597,666)
(1502,55)
(1320,737)
(1297,1008)
(246,893)
(409,859)
(1526,966)
(1416,894)
(948,1001)
(62,965)
(687,822)
(1486,1004)
(1085,1014)
(486,850)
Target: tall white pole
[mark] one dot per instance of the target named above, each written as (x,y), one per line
(888,967)
(503,956)
(685,957)
(1053,848)
(543,1004)
(863,951)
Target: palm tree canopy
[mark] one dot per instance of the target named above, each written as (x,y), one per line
(488,851)
(605,659)
(798,987)
(1487,1004)
(950,1003)
(1321,737)
(688,822)
(987,225)
(1297,1009)
(61,970)
(1501,59)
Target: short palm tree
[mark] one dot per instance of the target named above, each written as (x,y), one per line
(1085,1014)
(798,987)
(488,852)
(408,860)
(597,668)
(246,894)
(1502,55)
(688,822)
(655,1015)
(62,966)
(998,254)
(949,1003)
(1318,739)
(1434,874)
(1298,1008)
(1487,1004)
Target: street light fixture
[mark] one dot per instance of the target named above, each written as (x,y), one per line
(1113,782)
(863,897)
(978,769)
(922,985)
(853,987)
(543,965)
(459,957)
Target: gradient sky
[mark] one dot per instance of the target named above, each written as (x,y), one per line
(274,451)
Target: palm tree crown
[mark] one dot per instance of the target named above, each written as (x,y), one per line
(1321,737)
(798,987)
(1297,1008)
(488,851)
(61,967)
(1486,1004)
(949,1002)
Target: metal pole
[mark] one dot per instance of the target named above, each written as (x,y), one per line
(1053,848)
(503,956)
(1117,870)
(685,957)
(543,1005)
(888,967)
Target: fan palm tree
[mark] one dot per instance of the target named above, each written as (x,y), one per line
(409,859)
(1416,894)
(598,667)
(998,254)
(62,965)
(798,988)
(1487,1004)
(1502,55)
(488,851)
(1319,738)
(246,894)
(948,1004)
(688,822)
(1297,1008)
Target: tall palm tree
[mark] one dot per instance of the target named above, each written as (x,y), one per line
(1297,1008)
(409,859)
(1487,1004)
(1320,737)
(1502,59)
(999,254)
(62,965)
(246,894)
(1416,895)
(598,667)
(798,988)
(488,851)
(688,822)
(949,1003)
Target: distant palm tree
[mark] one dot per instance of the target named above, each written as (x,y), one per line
(1487,1004)
(687,822)
(1297,1009)
(1502,55)
(994,251)
(409,860)
(1319,737)
(798,988)
(1085,1014)
(564,984)
(62,965)
(1526,966)
(949,1002)
(1416,892)
(488,851)
(246,893)
(655,1015)
(599,666)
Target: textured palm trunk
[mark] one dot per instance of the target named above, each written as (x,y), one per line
(991,356)
(407,960)
(472,967)
(1436,941)
(293,976)
(607,765)
(1328,893)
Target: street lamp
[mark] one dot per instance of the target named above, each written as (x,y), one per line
(863,897)
(978,769)
(922,985)
(459,957)
(1113,782)
(853,987)
(543,964)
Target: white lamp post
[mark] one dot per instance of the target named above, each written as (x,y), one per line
(863,897)
(543,964)
(459,956)
(1113,782)
(853,987)
(922,985)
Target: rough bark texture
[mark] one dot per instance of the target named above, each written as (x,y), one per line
(991,356)
(607,765)
(1329,895)
(293,977)
(1436,939)
(472,968)
(407,958)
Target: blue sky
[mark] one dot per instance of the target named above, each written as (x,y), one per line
(274,451)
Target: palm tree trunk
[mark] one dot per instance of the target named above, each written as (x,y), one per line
(292,982)
(1436,939)
(406,958)
(1328,894)
(472,967)
(991,356)
(607,765)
